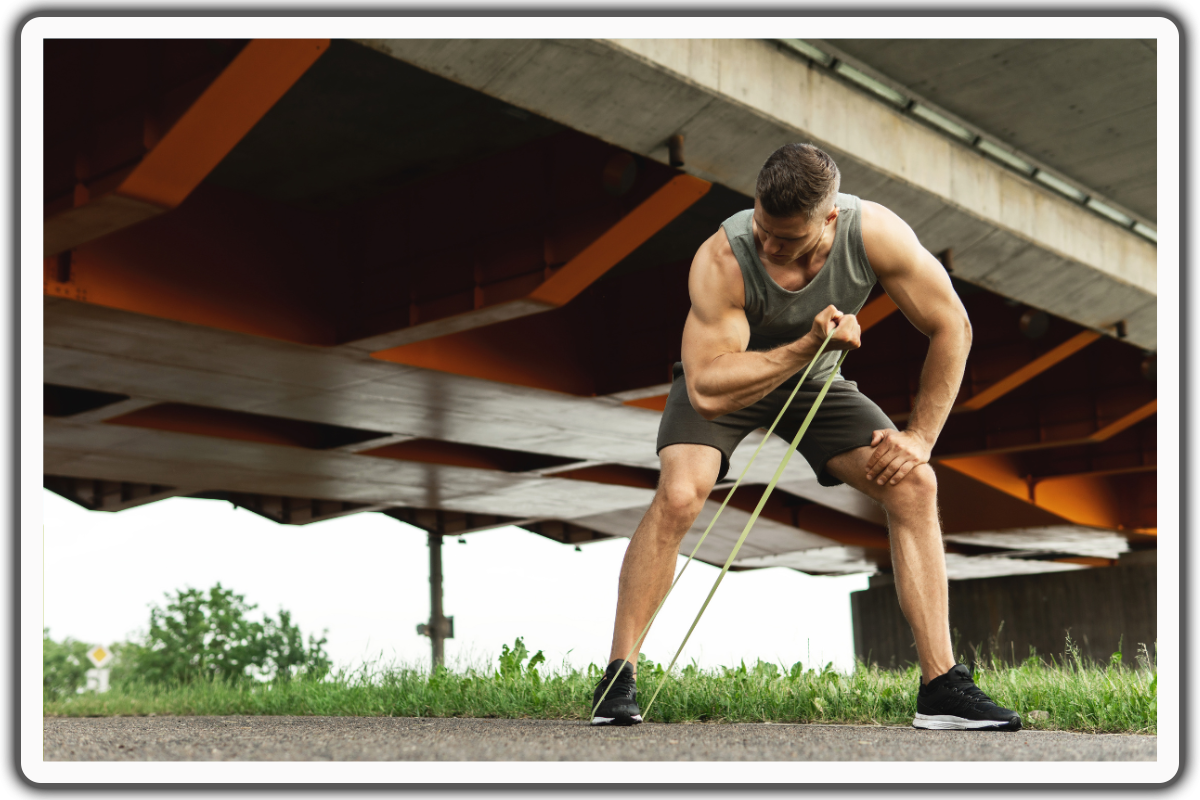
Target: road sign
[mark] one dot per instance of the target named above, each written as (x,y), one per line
(99,655)
(97,680)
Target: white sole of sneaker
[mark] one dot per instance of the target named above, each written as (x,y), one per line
(949,722)
(609,720)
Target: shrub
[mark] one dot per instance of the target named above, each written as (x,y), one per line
(207,635)
(64,666)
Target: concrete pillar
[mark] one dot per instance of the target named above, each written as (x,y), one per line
(1102,608)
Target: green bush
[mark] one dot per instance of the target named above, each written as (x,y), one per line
(64,666)
(207,636)
(198,636)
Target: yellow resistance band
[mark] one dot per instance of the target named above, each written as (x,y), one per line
(750,524)
(725,502)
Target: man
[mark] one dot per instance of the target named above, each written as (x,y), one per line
(766,289)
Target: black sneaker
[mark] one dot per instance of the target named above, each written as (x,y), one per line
(952,702)
(620,704)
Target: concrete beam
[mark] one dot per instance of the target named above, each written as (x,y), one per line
(735,101)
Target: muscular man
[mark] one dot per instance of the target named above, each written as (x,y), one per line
(766,289)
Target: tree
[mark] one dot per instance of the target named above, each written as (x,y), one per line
(207,635)
(64,666)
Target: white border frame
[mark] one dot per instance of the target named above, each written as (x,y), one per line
(30,301)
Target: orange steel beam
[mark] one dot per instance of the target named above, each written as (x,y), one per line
(875,311)
(224,423)
(1087,498)
(1130,419)
(504,353)
(465,345)
(226,111)
(1029,371)
(1105,433)
(615,474)
(605,252)
(1082,498)
(1088,561)
(657,402)
(651,216)
(458,454)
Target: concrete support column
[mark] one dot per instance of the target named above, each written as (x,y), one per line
(1102,609)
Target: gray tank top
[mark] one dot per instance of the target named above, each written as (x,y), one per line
(777,316)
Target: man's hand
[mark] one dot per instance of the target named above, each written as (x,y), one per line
(844,327)
(896,454)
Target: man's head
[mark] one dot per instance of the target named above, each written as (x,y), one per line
(795,200)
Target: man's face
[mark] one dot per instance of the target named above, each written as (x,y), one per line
(785,239)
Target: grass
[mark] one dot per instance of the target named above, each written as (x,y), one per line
(1075,696)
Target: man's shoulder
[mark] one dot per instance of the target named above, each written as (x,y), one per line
(718,251)
(879,219)
(718,246)
(716,267)
(889,241)
(881,225)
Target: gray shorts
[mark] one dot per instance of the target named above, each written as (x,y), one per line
(846,420)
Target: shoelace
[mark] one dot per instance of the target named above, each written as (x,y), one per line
(622,684)
(970,691)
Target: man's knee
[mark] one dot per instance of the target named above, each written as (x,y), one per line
(917,491)
(681,499)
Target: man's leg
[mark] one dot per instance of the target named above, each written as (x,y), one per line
(688,474)
(918,557)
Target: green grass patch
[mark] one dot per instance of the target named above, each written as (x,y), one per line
(1074,696)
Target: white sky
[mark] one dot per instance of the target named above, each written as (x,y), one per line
(365,577)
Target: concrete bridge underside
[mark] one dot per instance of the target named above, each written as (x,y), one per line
(294,322)
(736,100)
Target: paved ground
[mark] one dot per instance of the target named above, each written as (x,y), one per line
(402,739)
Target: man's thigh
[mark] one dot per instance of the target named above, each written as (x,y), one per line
(845,422)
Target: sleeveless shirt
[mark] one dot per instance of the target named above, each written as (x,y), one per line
(778,316)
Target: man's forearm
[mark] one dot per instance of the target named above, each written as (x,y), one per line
(734,381)
(941,377)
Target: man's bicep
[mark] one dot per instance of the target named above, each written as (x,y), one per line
(712,333)
(716,324)
(925,294)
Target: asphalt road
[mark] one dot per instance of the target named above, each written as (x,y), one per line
(405,739)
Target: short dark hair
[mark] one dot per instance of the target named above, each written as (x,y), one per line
(798,180)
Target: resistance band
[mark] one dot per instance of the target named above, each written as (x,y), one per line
(812,412)
(725,502)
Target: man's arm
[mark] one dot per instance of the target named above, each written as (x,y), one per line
(721,375)
(920,287)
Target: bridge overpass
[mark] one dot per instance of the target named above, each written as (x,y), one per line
(446,280)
